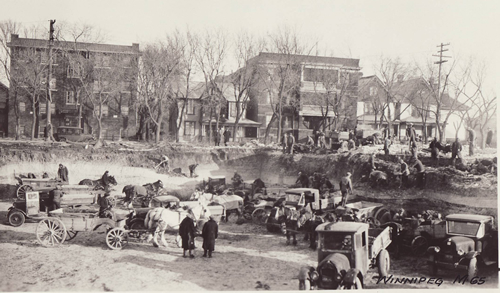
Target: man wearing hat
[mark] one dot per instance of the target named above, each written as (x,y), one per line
(105,206)
(345,187)
(62,173)
(209,234)
(186,231)
(55,196)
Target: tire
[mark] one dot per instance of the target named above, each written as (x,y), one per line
(356,286)
(472,270)
(21,191)
(51,232)
(259,216)
(232,216)
(116,238)
(378,214)
(385,218)
(419,245)
(71,235)
(16,218)
(305,285)
(383,263)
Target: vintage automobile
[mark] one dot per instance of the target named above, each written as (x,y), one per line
(69,133)
(346,251)
(470,242)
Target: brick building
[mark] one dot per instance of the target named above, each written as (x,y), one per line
(89,81)
(322,94)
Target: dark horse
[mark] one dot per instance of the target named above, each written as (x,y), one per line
(98,184)
(145,192)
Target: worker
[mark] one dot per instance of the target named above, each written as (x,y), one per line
(62,173)
(164,163)
(405,172)
(55,197)
(456,152)
(105,206)
(417,164)
(387,144)
(303,180)
(472,138)
(434,151)
(345,187)
(290,142)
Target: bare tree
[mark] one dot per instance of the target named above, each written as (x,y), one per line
(211,58)
(281,78)
(182,89)
(245,78)
(391,72)
(159,66)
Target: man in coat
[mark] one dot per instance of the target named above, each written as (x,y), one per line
(303,180)
(209,234)
(434,151)
(456,149)
(55,198)
(186,231)
(345,187)
(62,173)
(417,164)
(105,206)
(387,144)
(227,135)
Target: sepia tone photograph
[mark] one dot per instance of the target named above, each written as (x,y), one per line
(248,145)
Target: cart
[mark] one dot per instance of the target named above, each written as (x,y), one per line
(62,226)
(36,184)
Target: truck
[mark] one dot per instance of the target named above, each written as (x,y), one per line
(470,241)
(298,198)
(346,251)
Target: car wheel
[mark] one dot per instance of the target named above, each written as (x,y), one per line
(472,270)
(16,218)
(383,263)
(419,245)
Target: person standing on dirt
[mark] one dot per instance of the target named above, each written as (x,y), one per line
(209,233)
(186,231)
(192,168)
(55,197)
(489,137)
(164,163)
(417,164)
(345,187)
(405,172)
(472,138)
(434,151)
(456,152)
(290,141)
(227,135)
(62,173)
(387,145)
(303,180)
(414,149)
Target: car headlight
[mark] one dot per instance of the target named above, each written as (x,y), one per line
(437,249)
(460,252)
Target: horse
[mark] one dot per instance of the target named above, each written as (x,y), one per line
(154,187)
(158,220)
(258,186)
(98,184)
(291,222)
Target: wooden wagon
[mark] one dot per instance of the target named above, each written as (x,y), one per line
(36,184)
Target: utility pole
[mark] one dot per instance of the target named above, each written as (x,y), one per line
(439,93)
(49,78)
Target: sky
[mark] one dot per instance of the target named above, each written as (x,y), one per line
(410,30)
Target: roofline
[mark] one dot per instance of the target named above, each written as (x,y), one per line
(263,55)
(4,86)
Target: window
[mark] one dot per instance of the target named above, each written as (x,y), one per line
(321,75)
(373,91)
(190,107)
(71,98)
(287,122)
(124,110)
(43,108)
(189,128)
(368,109)
(22,106)
(232,109)
(104,110)
(414,112)
(74,71)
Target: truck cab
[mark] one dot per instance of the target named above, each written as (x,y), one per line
(470,241)
(346,251)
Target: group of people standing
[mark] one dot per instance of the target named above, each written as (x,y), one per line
(222,136)
(209,233)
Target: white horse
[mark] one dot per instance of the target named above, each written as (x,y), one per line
(160,219)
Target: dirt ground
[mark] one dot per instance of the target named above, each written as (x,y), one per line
(247,257)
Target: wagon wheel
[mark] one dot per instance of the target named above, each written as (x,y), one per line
(70,235)
(419,245)
(116,238)
(21,191)
(259,216)
(51,232)
(379,213)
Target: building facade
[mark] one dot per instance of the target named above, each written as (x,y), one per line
(92,86)
(4,98)
(321,94)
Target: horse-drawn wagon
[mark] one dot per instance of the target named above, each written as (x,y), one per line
(42,185)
